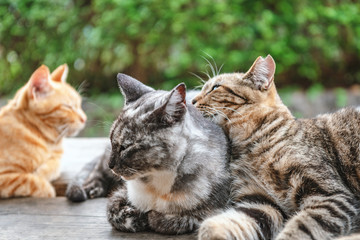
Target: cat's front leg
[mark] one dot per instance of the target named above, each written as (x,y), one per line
(123,216)
(50,169)
(254,218)
(172,224)
(322,217)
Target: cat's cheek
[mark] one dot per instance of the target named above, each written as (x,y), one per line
(75,131)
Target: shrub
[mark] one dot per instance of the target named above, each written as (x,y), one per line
(160,42)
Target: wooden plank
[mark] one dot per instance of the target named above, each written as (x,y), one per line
(77,152)
(57,218)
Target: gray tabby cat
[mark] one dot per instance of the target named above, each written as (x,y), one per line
(173,162)
(292,178)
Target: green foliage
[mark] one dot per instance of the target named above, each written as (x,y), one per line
(341,97)
(314,91)
(160,42)
(101,110)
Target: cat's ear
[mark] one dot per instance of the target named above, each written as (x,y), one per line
(174,106)
(261,73)
(60,73)
(131,88)
(176,103)
(39,82)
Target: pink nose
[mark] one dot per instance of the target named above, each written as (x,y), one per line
(83,119)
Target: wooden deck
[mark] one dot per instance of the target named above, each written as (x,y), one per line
(57,218)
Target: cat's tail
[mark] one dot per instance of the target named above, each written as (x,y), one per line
(25,185)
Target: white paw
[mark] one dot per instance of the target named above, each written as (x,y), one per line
(230,225)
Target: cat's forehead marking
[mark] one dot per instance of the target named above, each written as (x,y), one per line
(144,105)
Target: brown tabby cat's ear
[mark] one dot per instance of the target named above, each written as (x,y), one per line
(261,73)
(39,82)
(60,73)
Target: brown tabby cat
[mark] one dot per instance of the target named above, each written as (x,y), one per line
(293,178)
(32,126)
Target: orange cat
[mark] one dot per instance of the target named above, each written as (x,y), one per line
(32,126)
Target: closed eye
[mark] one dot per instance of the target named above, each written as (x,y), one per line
(67,106)
(122,148)
(214,87)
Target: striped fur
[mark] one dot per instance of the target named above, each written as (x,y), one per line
(293,178)
(32,126)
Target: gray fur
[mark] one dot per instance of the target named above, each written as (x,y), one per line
(159,139)
(160,133)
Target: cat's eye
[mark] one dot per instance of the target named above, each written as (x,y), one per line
(215,87)
(67,106)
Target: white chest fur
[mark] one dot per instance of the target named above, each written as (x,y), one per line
(155,194)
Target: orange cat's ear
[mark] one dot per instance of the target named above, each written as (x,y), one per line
(60,73)
(39,82)
(261,73)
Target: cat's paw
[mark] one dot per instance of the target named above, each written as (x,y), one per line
(212,229)
(127,219)
(76,193)
(46,191)
(94,189)
(171,224)
(227,226)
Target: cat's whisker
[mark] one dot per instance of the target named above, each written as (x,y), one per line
(219,70)
(227,108)
(207,74)
(220,113)
(197,76)
(198,87)
(62,127)
(82,87)
(99,123)
(210,65)
(63,133)
(210,113)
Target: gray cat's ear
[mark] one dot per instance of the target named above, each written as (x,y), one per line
(173,108)
(131,88)
(177,101)
(261,73)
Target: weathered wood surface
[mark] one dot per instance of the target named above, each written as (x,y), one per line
(57,218)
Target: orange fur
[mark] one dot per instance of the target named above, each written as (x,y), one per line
(32,126)
(166,197)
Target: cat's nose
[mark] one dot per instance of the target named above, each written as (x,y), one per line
(111,163)
(83,119)
(194,101)
(82,116)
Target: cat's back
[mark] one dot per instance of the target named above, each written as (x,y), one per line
(341,126)
(343,129)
